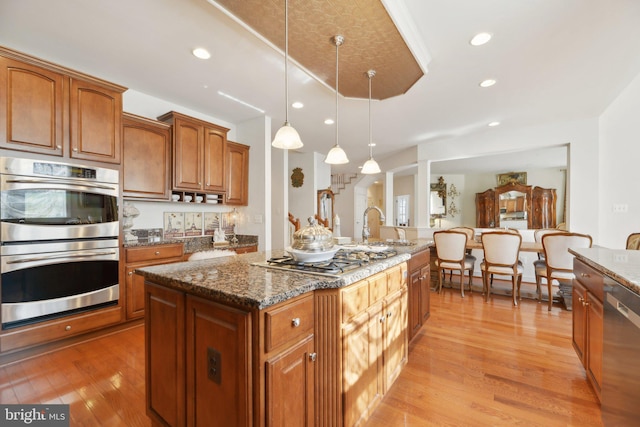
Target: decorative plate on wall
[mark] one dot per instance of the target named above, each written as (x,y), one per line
(297,177)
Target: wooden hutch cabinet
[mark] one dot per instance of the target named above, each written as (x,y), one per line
(48,109)
(498,206)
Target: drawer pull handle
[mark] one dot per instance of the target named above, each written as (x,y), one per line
(295,322)
(584,275)
(313,356)
(67,328)
(130,273)
(157,252)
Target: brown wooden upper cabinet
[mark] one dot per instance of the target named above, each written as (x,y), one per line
(237,174)
(198,154)
(146,157)
(52,110)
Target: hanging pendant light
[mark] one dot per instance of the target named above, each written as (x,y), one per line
(370,166)
(336,155)
(287,137)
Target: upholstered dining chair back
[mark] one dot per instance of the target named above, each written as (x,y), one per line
(501,247)
(470,232)
(538,234)
(556,249)
(633,241)
(450,245)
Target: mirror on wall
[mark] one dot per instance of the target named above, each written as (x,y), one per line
(325,207)
(438,199)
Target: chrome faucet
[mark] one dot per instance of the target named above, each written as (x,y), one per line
(366,232)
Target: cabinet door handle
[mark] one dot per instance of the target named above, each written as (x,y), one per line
(75,149)
(295,322)
(382,319)
(130,273)
(584,275)
(58,147)
(581,300)
(313,357)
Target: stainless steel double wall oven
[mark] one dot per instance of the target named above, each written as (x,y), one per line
(59,239)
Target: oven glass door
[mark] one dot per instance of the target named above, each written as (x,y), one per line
(51,280)
(47,209)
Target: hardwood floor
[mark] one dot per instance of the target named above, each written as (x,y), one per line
(491,364)
(473,364)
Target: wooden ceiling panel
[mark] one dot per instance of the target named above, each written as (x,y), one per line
(371,41)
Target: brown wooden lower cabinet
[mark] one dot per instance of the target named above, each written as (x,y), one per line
(588,321)
(419,290)
(211,364)
(137,257)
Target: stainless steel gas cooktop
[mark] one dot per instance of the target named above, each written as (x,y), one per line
(342,262)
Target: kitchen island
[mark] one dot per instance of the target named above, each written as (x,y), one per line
(606,328)
(231,342)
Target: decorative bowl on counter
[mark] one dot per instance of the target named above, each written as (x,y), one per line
(309,256)
(313,238)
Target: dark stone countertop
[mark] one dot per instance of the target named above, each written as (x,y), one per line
(236,280)
(621,265)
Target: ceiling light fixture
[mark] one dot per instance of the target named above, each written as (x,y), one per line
(336,155)
(201,53)
(493,124)
(370,166)
(328,121)
(287,137)
(297,105)
(480,39)
(487,83)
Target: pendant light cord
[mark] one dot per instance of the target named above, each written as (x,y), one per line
(286,61)
(370,75)
(338,43)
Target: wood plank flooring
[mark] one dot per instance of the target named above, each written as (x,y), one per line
(473,364)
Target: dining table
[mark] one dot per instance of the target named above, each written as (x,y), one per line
(524,246)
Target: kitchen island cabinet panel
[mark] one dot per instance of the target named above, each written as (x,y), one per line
(218,364)
(419,290)
(165,355)
(290,386)
(588,321)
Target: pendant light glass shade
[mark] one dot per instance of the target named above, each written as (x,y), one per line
(287,137)
(336,155)
(370,166)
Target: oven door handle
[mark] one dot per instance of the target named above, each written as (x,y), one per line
(59,181)
(83,255)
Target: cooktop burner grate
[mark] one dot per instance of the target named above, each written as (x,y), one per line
(342,262)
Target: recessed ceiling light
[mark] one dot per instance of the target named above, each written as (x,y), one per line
(480,39)
(297,104)
(492,124)
(201,53)
(328,122)
(487,83)
(373,144)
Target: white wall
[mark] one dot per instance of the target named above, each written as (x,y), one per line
(619,162)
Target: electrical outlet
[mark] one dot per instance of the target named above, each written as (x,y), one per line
(620,208)
(214,365)
(620,258)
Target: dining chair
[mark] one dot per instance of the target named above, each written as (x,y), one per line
(558,262)
(450,253)
(537,237)
(501,251)
(470,232)
(633,241)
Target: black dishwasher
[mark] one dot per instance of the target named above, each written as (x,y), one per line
(621,356)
